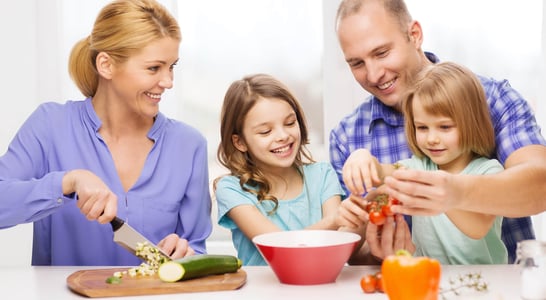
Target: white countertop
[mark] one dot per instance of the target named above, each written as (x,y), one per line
(50,283)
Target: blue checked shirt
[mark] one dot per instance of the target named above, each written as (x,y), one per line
(380,129)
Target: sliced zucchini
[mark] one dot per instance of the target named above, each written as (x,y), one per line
(199,265)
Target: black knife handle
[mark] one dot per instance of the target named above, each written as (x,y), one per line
(116,223)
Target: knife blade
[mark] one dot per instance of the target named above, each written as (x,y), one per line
(127,237)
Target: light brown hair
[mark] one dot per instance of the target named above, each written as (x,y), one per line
(451,90)
(395,8)
(121,29)
(240,97)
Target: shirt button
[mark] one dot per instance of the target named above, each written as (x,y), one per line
(60,201)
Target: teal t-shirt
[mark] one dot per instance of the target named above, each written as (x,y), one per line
(320,184)
(438,237)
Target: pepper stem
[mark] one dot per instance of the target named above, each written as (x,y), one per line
(402,252)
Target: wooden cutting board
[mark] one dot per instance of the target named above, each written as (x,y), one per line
(92,283)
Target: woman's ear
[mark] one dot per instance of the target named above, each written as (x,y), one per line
(104,65)
(239,143)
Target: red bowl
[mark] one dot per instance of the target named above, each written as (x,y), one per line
(305,257)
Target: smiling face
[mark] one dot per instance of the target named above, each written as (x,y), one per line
(438,138)
(271,135)
(140,81)
(383,55)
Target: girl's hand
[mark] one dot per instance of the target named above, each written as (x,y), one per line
(361,172)
(95,200)
(352,212)
(175,246)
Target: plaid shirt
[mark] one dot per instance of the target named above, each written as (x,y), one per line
(380,129)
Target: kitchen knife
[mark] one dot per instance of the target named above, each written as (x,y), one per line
(127,237)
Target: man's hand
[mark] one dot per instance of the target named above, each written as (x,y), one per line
(386,239)
(424,192)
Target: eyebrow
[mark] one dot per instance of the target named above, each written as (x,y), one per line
(292,114)
(161,61)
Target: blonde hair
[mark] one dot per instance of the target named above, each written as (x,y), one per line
(121,29)
(240,97)
(451,90)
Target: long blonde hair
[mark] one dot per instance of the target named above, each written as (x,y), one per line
(121,29)
(240,97)
(451,90)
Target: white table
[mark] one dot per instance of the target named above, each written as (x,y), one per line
(50,283)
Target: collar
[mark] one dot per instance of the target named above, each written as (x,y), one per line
(159,122)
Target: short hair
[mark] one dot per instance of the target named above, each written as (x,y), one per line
(121,29)
(395,8)
(451,90)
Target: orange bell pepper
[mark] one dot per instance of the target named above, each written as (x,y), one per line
(411,278)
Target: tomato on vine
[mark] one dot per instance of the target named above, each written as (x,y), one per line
(379,208)
(377,218)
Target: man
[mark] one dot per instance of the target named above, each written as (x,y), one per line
(382,46)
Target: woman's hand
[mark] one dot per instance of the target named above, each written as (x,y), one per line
(361,172)
(95,200)
(175,246)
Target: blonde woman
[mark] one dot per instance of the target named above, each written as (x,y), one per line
(73,167)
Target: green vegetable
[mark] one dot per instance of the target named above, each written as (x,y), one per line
(113,280)
(199,265)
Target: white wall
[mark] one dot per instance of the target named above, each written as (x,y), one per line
(31,76)
(18,83)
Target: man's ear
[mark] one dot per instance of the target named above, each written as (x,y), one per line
(415,33)
(239,143)
(105,66)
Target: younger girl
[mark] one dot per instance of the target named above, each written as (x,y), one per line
(448,128)
(273,184)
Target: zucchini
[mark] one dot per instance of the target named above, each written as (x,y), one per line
(199,265)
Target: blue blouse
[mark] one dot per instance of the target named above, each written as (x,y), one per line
(170,196)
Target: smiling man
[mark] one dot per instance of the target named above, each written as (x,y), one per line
(382,45)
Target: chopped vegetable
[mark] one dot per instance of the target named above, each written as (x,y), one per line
(113,280)
(152,260)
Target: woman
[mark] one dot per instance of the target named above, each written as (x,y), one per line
(112,154)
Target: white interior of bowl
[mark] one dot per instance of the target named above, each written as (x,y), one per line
(305,238)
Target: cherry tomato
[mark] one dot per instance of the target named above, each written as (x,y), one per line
(394,201)
(377,218)
(379,282)
(386,210)
(368,283)
(371,206)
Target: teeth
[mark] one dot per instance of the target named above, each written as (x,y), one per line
(385,85)
(155,96)
(281,150)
